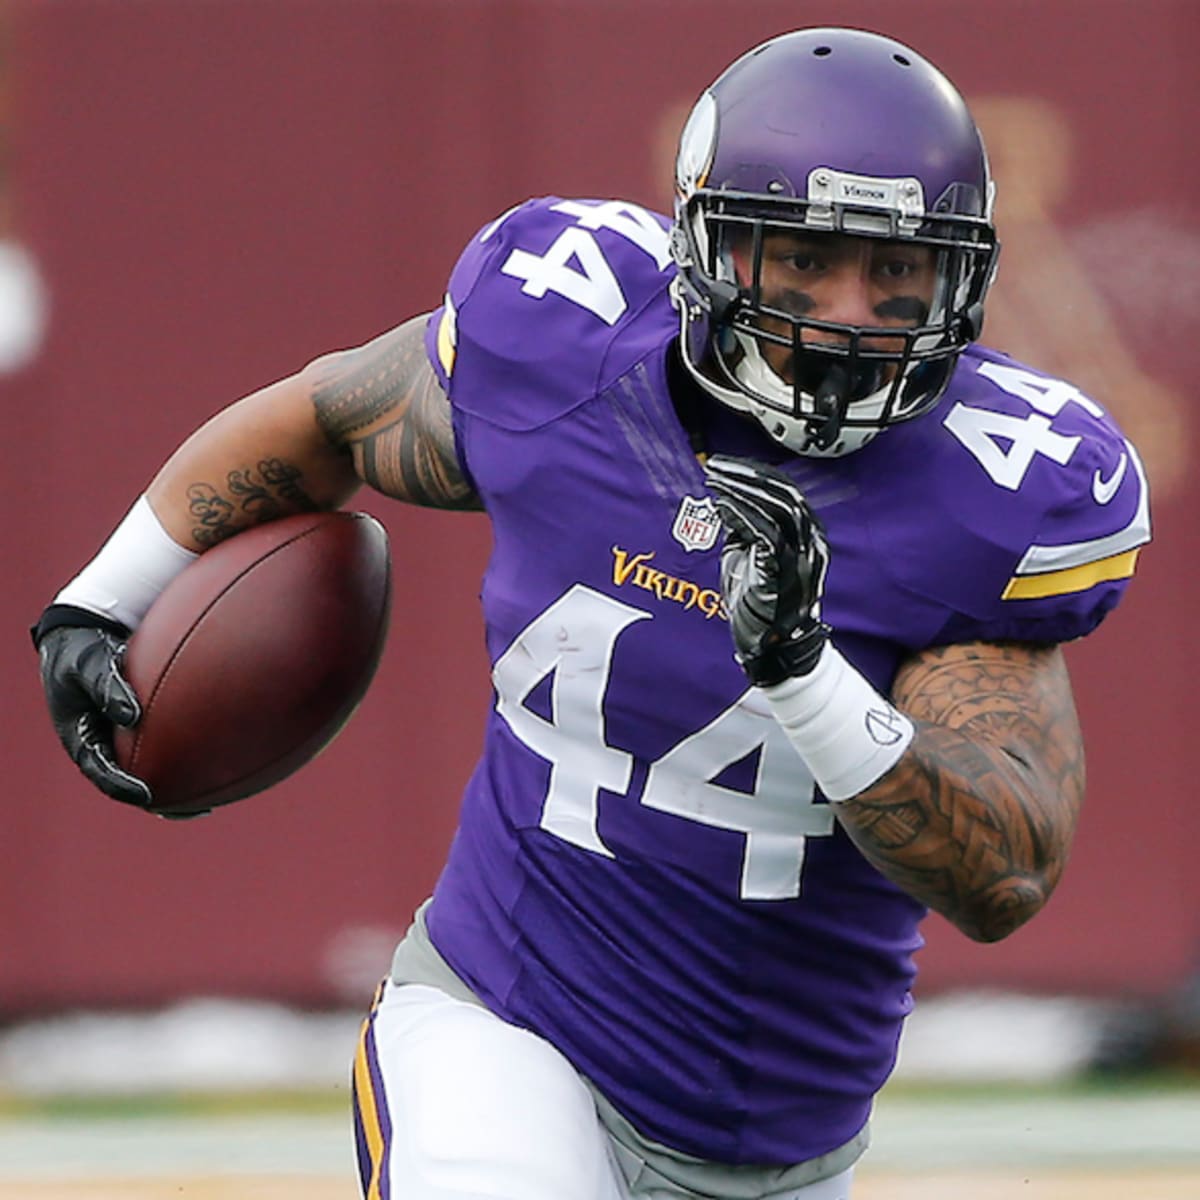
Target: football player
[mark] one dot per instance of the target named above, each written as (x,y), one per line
(783,560)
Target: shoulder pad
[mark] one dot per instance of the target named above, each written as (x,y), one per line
(543,308)
(1036,504)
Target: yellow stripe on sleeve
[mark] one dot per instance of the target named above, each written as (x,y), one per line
(445,339)
(1072,579)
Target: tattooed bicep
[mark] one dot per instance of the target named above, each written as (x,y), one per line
(1009,690)
(383,403)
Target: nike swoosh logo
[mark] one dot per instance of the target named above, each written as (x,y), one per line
(1103,490)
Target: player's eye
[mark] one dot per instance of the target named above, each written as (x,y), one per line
(897,268)
(804,260)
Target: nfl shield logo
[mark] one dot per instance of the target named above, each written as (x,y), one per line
(696,523)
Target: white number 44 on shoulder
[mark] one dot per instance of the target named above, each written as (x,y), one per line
(574,266)
(1005,445)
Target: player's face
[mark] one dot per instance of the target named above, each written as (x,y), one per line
(857,281)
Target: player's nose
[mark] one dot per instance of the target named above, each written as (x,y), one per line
(847,298)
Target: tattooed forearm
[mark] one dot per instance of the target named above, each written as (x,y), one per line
(271,490)
(977,817)
(384,403)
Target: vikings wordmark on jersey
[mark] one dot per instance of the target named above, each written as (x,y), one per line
(644,845)
(638,570)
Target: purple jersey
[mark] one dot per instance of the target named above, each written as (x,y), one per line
(644,872)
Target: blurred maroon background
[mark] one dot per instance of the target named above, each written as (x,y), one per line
(216,192)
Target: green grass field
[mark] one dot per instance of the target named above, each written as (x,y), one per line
(1137,1140)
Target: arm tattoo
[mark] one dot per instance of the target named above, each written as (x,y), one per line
(272,489)
(384,403)
(977,817)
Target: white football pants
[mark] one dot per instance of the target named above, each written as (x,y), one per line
(452,1103)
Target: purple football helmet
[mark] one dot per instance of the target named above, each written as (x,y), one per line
(829,131)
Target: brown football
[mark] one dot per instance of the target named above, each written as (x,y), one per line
(254,658)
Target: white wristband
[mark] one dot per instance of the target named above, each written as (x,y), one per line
(847,733)
(131,570)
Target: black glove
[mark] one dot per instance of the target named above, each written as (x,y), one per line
(86,695)
(772,569)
